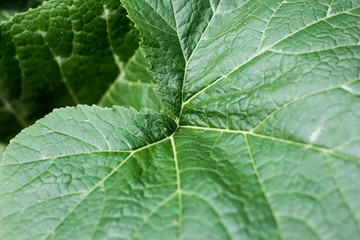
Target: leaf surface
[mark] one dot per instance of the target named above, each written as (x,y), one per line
(265,95)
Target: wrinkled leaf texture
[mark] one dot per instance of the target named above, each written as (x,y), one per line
(265,143)
(58,54)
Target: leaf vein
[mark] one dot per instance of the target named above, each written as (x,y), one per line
(262,186)
(179,191)
(301,98)
(287,141)
(257,55)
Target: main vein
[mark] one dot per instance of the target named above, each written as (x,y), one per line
(178,186)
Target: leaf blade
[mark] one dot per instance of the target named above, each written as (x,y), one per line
(246,160)
(91,164)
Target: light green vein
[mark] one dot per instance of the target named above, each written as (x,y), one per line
(287,141)
(262,186)
(255,56)
(178,181)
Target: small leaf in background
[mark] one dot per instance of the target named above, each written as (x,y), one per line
(8,8)
(57,54)
(18,5)
(134,87)
(5,15)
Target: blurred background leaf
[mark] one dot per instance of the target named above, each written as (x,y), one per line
(56,56)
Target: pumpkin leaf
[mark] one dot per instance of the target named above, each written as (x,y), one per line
(259,139)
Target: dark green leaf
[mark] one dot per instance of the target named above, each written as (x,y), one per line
(57,54)
(8,8)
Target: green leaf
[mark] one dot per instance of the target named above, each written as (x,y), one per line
(266,96)
(5,16)
(134,87)
(55,55)
(72,156)
(8,8)
(2,149)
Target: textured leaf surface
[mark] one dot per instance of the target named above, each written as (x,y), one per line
(266,95)
(134,87)
(76,157)
(56,54)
